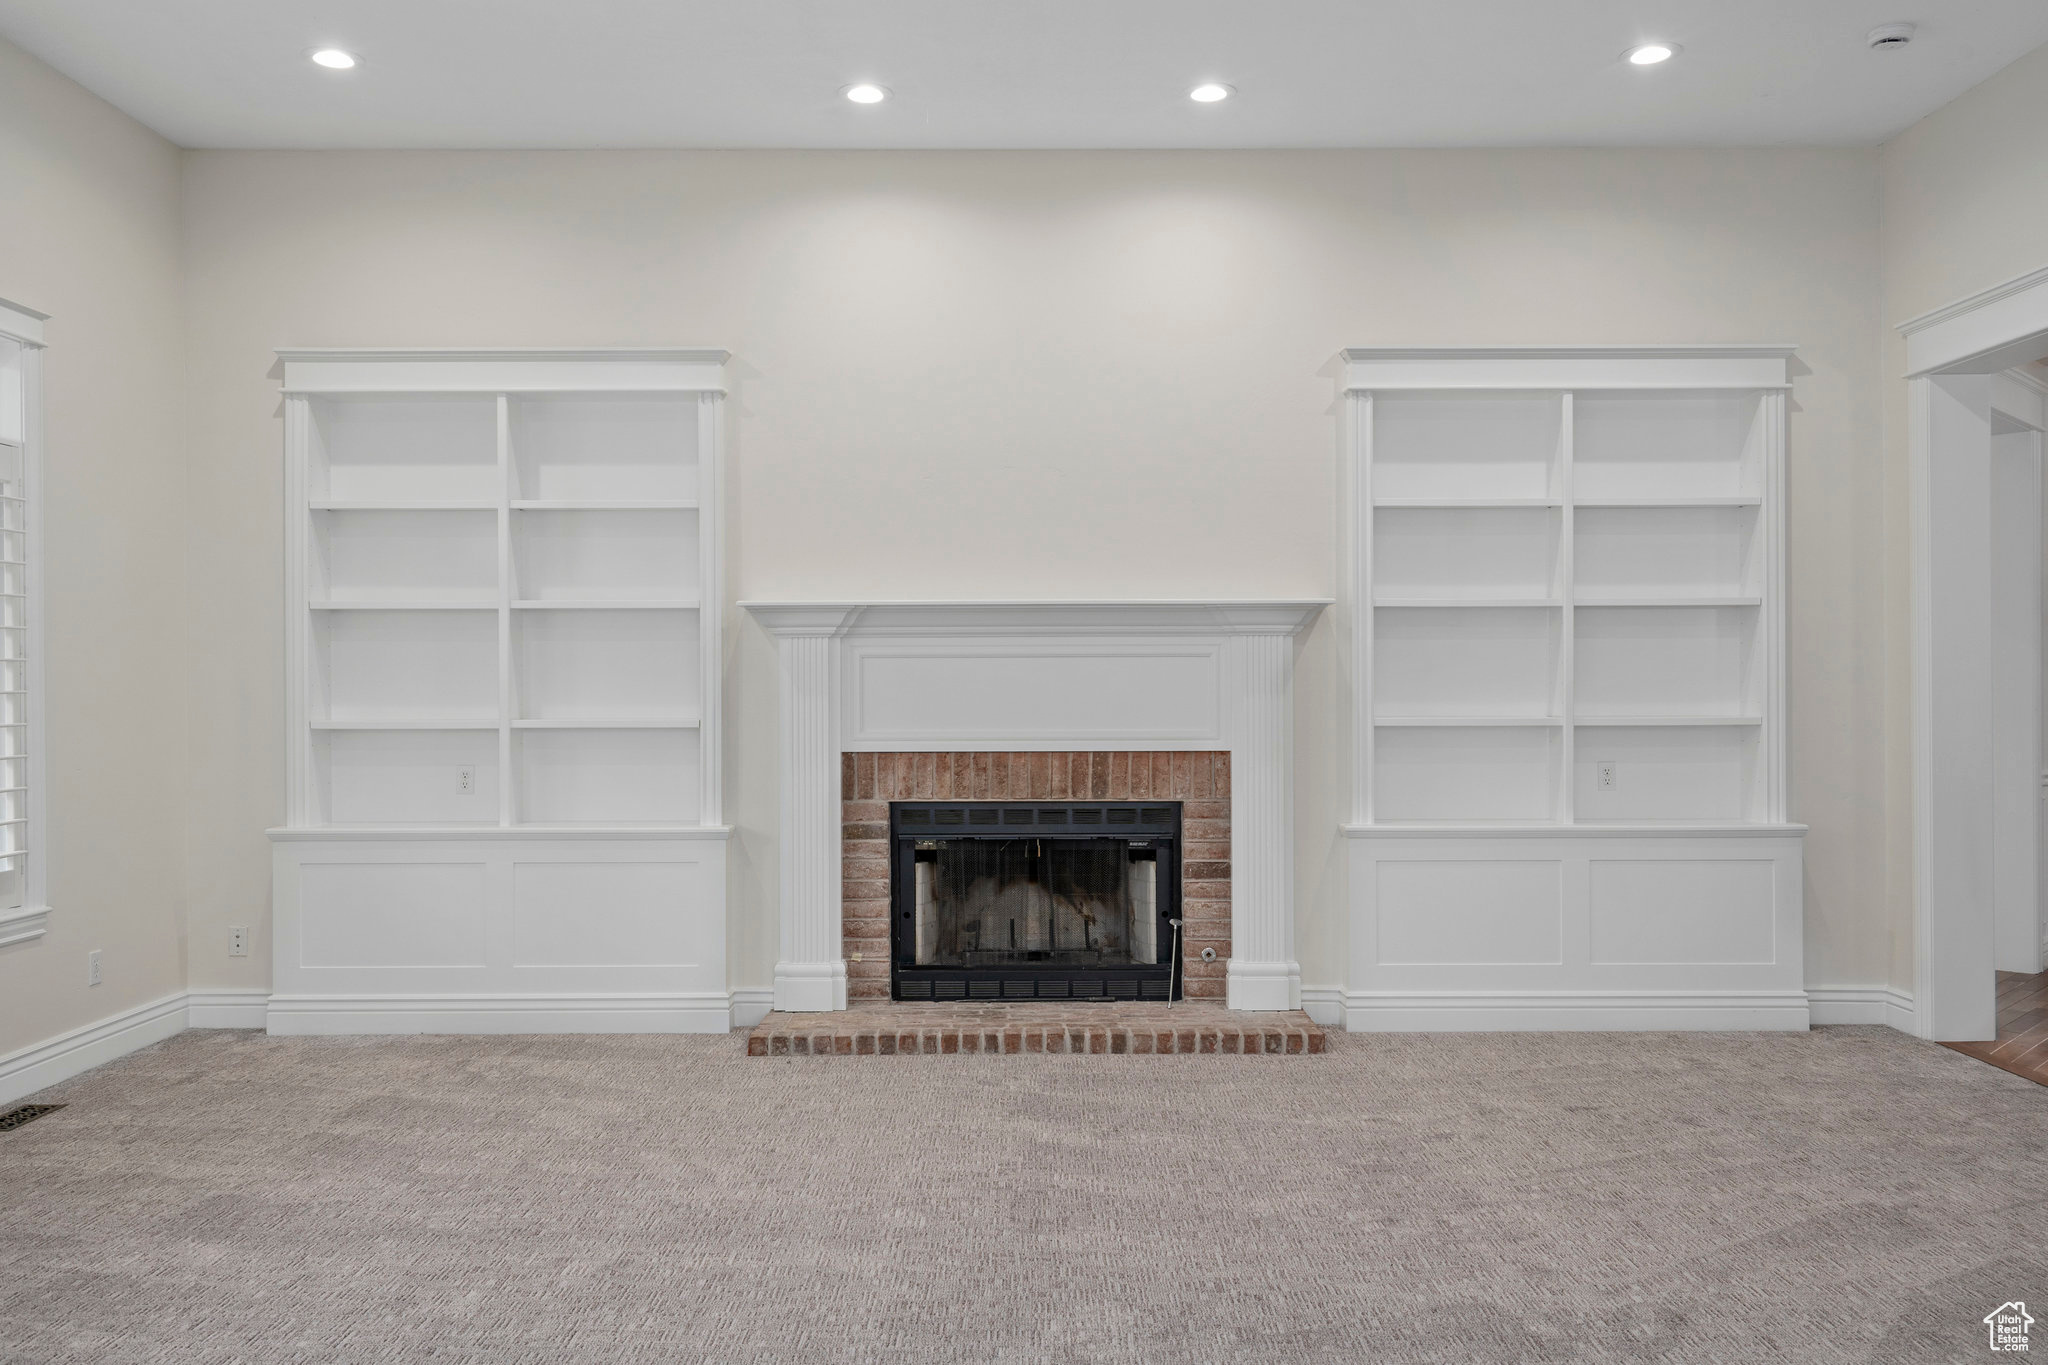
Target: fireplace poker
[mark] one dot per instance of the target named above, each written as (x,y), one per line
(1173,963)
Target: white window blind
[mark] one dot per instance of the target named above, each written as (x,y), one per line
(14,660)
(21,872)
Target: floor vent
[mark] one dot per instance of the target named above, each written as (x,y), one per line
(25,1113)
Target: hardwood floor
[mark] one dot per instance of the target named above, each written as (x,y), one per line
(2022,1043)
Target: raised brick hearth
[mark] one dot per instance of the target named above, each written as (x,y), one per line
(1199,780)
(886,1028)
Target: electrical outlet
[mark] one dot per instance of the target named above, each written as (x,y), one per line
(238,940)
(92,968)
(465,780)
(1606,776)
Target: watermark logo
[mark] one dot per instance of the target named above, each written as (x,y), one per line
(2008,1324)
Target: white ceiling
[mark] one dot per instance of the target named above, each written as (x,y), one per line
(1022,73)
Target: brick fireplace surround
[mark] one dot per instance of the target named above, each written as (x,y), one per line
(1112,697)
(868,782)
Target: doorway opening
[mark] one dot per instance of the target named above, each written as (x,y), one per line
(1977,395)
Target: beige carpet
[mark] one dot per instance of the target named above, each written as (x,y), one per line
(1847,1195)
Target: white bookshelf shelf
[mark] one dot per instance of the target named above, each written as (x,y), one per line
(403,604)
(1670,502)
(1588,601)
(1457,504)
(603,505)
(1434,603)
(408,723)
(1661,722)
(611,604)
(1451,721)
(398,505)
(613,723)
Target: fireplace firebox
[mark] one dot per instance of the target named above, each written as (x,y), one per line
(1034,900)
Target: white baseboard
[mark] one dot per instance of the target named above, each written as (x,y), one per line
(1324,1004)
(240,1007)
(1899,1011)
(44,1064)
(249,1007)
(1588,1011)
(1262,985)
(751,1004)
(1862,1005)
(331,1014)
(810,987)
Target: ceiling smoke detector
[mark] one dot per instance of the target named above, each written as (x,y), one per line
(1890,35)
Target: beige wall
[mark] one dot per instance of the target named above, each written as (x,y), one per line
(1966,193)
(89,234)
(1965,207)
(947,363)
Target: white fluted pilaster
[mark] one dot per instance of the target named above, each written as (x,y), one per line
(1263,972)
(810,971)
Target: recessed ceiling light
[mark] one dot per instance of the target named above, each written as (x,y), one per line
(1649,54)
(865,93)
(1210,93)
(334,59)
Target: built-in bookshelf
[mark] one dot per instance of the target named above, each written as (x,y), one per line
(1568,605)
(1568,685)
(506,612)
(504,592)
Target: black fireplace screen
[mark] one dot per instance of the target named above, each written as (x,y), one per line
(1034,900)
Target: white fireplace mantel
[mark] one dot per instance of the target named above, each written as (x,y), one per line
(939,676)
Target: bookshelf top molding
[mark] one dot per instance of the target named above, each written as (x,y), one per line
(1568,367)
(19,322)
(617,370)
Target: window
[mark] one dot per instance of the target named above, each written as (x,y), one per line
(22,910)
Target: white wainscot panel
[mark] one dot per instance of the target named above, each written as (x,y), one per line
(594,914)
(969,694)
(502,932)
(410,914)
(1691,913)
(1562,928)
(1469,913)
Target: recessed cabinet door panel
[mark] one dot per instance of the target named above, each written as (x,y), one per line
(392,915)
(1470,913)
(1693,913)
(605,914)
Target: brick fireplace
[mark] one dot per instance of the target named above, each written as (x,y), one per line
(1199,780)
(1024,702)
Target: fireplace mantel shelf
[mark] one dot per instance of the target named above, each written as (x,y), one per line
(1158,616)
(1046,675)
